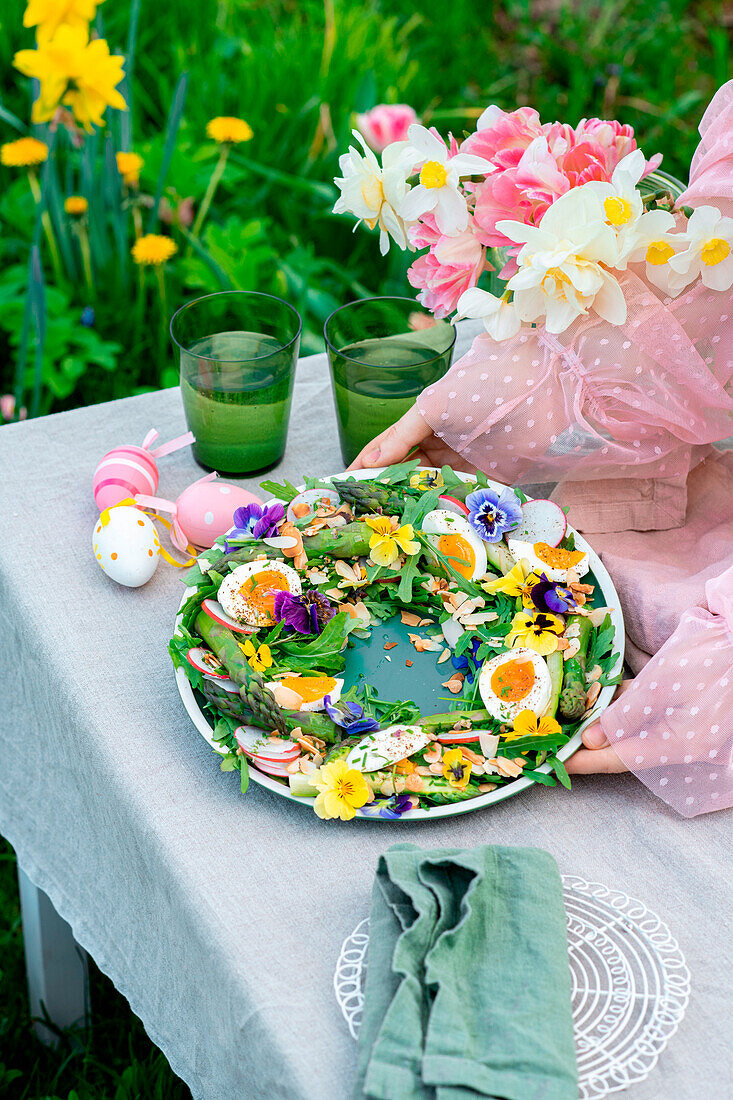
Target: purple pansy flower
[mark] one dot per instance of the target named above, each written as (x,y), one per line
(256,521)
(491,515)
(350,716)
(461,662)
(390,808)
(552,596)
(306,614)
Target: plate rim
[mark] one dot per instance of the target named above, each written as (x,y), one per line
(206,729)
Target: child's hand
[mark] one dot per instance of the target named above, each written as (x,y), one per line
(597,756)
(412,436)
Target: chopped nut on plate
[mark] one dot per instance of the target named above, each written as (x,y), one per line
(593,692)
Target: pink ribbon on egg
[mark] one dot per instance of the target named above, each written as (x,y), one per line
(178,538)
(166,448)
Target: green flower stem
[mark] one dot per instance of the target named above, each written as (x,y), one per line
(47,229)
(86,259)
(210,192)
(160,279)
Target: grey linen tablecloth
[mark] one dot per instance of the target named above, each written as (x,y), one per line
(220,917)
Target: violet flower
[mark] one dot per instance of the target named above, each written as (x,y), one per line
(462,663)
(256,521)
(552,596)
(350,716)
(391,808)
(491,515)
(306,614)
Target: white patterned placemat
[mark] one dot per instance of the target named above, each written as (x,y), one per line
(630,985)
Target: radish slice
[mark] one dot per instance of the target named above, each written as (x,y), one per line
(214,609)
(312,497)
(272,769)
(450,504)
(542,521)
(254,743)
(207,662)
(463,738)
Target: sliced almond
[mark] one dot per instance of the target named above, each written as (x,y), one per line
(485,788)
(572,648)
(454,685)
(300,510)
(471,755)
(390,645)
(414,782)
(307,766)
(317,576)
(286,698)
(293,768)
(436,769)
(479,618)
(506,767)
(489,743)
(409,618)
(598,614)
(426,622)
(594,674)
(593,692)
(423,769)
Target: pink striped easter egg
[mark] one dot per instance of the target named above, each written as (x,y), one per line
(124,472)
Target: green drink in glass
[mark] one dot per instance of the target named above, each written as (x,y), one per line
(383,352)
(238,353)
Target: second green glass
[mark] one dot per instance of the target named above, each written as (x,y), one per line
(238,354)
(383,352)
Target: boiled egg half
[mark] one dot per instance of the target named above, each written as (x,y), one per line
(248,593)
(453,537)
(305,692)
(515,681)
(553,561)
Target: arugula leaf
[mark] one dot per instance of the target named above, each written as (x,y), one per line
(402,471)
(243,774)
(541,777)
(285,491)
(560,771)
(322,652)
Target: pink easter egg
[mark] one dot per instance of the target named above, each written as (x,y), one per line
(205,510)
(124,472)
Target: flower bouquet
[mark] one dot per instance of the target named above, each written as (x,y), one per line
(607,348)
(501,611)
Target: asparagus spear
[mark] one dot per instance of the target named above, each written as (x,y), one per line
(573,697)
(435,787)
(349,541)
(255,696)
(365,497)
(310,722)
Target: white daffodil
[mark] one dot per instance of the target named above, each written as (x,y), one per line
(622,204)
(440,175)
(563,264)
(654,241)
(709,251)
(498,315)
(374,192)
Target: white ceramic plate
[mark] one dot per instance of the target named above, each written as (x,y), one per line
(610,599)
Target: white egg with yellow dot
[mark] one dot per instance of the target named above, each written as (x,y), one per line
(126,545)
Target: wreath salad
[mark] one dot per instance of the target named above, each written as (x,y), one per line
(492,590)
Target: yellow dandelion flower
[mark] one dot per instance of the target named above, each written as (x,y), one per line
(76,205)
(341,791)
(528,724)
(152,249)
(129,165)
(226,129)
(82,75)
(48,15)
(26,152)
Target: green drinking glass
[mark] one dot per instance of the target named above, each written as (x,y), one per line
(383,352)
(238,353)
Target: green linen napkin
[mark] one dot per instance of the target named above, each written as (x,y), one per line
(468,986)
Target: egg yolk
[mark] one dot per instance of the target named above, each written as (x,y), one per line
(459,552)
(259,591)
(309,688)
(513,680)
(556,557)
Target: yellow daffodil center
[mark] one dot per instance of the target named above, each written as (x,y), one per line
(372,192)
(554,282)
(658,253)
(433,174)
(618,210)
(715,251)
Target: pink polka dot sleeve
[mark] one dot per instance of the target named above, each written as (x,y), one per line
(674,726)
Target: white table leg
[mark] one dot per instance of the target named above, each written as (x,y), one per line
(56,966)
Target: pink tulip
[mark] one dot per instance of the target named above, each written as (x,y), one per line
(452,265)
(7,408)
(503,136)
(385,123)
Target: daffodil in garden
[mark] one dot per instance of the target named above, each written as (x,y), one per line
(655,242)
(563,265)
(538,631)
(25,152)
(528,724)
(389,541)
(341,791)
(622,203)
(709,252)
(438,190)
(229,129)
(49,15)
(75,206)
(374,193)
(258,659)
(129,165)
(75,72)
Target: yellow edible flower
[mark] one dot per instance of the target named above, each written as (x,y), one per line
(26,152)
(76,205)
(389,541)
(129,166)
(48,15)
(527,724)
(259,659)
(456,769)
(427,479)
(511,585)
(538,631)
(82,75)
(342,791)
(153,249)
(230,130)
